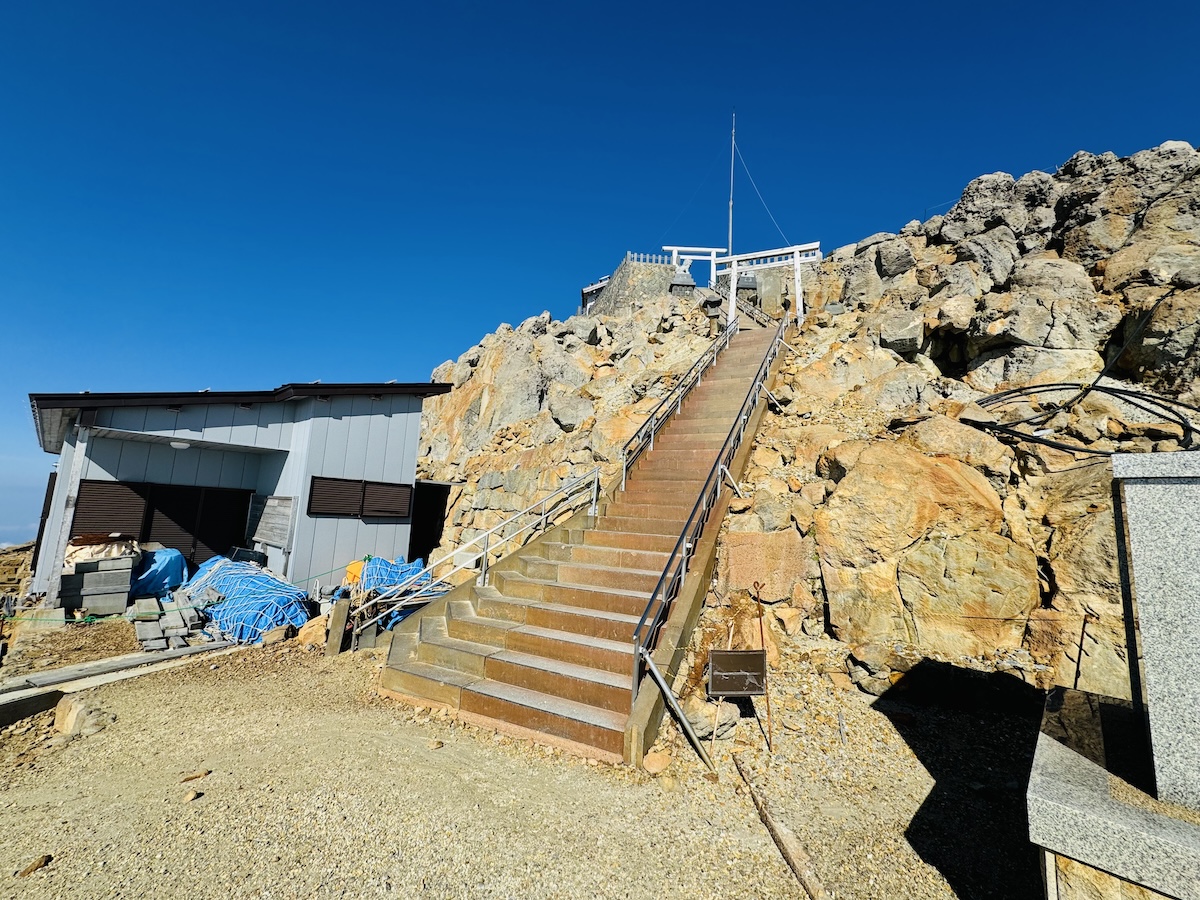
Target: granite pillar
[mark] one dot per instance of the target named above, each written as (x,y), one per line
(1161,494)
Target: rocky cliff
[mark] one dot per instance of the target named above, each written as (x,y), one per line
(896,502)
(547,401)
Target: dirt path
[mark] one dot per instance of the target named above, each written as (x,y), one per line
(320,789)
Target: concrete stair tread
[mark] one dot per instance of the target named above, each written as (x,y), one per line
(575,586)
(485,621)
(600,567)
(460,644)
(658,554)
(436,673)
(568,709)
(559,667)
(571,637)
(580,611)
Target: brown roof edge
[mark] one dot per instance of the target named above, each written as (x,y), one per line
(88,400)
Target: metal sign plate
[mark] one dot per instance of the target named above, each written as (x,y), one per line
(737,673)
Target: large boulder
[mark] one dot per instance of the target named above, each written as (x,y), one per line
(986,202)
(893,514)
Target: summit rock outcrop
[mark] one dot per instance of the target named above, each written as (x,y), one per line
(916,529)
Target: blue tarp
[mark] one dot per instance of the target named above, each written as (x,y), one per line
(255,600)
(158,573)
(379,573)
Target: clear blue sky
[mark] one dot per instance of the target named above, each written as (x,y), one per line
(237,195)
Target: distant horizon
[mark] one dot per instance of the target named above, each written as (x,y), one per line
(234,197)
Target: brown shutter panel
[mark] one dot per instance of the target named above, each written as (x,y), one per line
(223,516)
(175,509)
(105,507)
(391,500)
(335,497)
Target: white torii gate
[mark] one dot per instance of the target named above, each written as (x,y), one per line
(767,259)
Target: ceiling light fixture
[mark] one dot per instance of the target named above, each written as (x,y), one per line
(180,445)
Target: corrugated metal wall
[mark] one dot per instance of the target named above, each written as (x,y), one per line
(343,437)
(356,437)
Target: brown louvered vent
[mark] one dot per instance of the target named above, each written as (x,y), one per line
(382,499)
(107,507)
(335,497)
(359,499)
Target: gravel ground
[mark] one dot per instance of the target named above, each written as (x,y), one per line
(40,651)
(319,788)
(916,794)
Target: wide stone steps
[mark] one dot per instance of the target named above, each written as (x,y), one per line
(546,645)
(601,576)
(580,723)
(607,556)
(600,623)
(630,540)
(586,596)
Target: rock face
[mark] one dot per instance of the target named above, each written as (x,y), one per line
(877,508)
(535,405)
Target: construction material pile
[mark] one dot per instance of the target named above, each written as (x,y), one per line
(252,599)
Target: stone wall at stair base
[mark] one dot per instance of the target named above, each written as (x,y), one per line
(1161,494)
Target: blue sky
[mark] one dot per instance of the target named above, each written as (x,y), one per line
(237,195)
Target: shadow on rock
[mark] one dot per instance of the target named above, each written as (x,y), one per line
(975,734)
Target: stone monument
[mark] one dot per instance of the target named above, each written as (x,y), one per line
(1114,794)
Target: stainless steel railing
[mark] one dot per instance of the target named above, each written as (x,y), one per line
(643,438)
(667,588)
(542,515)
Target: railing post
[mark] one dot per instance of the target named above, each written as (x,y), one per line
(637,665)
(483,562)
(596,494)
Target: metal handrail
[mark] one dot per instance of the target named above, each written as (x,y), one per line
(643,438)
(755,313)
(564,496)
(676,568)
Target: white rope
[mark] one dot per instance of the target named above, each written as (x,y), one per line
(760,196)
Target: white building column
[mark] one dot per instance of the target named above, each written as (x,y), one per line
(52,553)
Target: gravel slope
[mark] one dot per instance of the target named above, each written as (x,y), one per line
(320,789)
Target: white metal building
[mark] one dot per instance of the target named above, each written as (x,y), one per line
(314,475)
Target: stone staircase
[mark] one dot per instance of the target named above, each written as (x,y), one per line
(546,646)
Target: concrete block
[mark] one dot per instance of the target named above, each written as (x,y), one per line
(160,644)
(172,622)
(41,619)
(1159,490)
(95,582)
(99,604)
(148,631)
(176,643)
(146,609)
(115,563)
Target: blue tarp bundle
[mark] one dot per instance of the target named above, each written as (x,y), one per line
(158,573)
(379,573)
(255,600)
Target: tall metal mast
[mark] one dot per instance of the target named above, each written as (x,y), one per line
(732,150)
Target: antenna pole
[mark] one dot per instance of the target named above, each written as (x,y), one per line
(732,151)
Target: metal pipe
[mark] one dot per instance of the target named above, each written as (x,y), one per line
(676,710)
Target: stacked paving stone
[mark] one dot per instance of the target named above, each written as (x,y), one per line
(170,623)
(100,586)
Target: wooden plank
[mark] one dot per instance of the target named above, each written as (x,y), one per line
(337,627)
(271,520)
